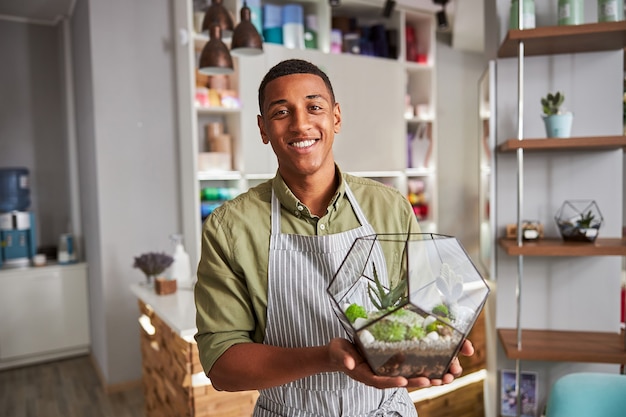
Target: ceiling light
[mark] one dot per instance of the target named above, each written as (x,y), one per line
(246,39)
(388,8)
(215,58)
(442,20)
(217,13)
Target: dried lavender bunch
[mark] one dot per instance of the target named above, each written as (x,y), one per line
(153,263)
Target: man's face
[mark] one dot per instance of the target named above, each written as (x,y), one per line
(300,121)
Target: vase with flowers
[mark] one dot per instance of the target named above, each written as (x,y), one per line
(153,264)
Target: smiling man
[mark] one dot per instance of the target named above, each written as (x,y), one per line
(264,319)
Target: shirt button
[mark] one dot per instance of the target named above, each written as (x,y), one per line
(322,227)
(300,208)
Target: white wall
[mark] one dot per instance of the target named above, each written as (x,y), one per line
(458,73)
(32,121)
(123,68)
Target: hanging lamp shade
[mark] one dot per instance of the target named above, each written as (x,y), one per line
(215,58)
(246,39)
(217,13)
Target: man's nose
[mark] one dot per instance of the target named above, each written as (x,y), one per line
(300,119)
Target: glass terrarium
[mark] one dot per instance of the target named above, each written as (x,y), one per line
(408,301)
(579,220)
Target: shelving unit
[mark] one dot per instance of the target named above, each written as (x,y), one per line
(557,341)
(564,346)
(382,146)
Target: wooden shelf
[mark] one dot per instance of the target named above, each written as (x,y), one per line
(567,39)
(564,346)
(563,144)
(558,247)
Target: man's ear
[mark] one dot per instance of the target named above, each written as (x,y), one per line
(259,122)
(337,115)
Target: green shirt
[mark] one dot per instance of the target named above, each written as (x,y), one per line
(231,293)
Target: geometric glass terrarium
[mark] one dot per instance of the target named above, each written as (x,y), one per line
(408,301)
(579,220)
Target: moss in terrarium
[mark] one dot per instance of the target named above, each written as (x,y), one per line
(355,311)
(389,331)
(441,310)
(416,332)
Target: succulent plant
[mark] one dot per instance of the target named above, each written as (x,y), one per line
(384,299)
(585,220)
(552,103)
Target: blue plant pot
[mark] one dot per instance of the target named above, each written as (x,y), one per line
(559,125)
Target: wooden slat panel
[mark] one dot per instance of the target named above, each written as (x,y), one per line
(466,402)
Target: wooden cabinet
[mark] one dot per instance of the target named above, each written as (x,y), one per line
(173,379)
(44,314)
(374,94)
(563,307)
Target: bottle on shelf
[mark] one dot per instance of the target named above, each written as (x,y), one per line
(180,270)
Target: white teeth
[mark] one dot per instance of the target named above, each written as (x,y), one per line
(304,143)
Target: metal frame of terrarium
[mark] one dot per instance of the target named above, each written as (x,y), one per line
(579,220)
(424,345)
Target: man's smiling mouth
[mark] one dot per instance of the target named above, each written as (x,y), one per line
(304,143)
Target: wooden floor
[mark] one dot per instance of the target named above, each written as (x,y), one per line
(66,388)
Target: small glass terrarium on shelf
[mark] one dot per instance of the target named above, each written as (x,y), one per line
(408,301)
(579,220)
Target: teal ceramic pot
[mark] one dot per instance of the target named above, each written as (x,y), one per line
(559,125)
(571,12)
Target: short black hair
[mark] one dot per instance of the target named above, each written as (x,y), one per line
(293,66)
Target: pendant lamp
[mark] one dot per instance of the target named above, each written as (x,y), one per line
(246,39)
(215,58)
(217,13)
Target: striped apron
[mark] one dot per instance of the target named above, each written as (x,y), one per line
(299,313)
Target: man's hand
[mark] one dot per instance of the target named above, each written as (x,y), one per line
(345,357)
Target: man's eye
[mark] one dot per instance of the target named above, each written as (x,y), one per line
(316,107)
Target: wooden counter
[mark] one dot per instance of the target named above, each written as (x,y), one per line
(174,381)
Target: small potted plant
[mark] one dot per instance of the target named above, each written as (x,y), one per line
(579,220)
(408,301)
(153,265)
(557,121)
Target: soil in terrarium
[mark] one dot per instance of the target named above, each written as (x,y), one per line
(409,344)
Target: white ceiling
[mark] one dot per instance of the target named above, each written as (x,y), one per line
(36,11)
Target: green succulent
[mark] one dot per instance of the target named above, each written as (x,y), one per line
(388,331)
(585,220)
(384,299)
(355,311)
(415,333)
(552,103)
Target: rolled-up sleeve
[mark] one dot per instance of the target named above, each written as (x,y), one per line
(224,313)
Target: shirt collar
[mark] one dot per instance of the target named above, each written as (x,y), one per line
(290,201)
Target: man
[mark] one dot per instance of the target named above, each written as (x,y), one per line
(264,318)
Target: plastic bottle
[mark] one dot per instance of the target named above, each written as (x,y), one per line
(610,10)
(180,270)
(310,32)
(528,9)
(293,26)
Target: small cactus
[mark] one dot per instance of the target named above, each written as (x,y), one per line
(552,103)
